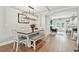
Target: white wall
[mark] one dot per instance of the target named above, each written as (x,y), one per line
(12,19)
(47,25)
(9,21)
(2,18)
(41,21)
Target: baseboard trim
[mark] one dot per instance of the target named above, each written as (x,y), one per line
(7,42)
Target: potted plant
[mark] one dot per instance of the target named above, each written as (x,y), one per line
(32,27)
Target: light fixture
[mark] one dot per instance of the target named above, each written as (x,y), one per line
(29,15)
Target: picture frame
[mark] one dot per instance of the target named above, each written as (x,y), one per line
(23,18)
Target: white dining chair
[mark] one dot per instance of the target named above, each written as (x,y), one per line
(20,39)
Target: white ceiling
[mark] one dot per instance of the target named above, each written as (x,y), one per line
(38,9)
(56,7)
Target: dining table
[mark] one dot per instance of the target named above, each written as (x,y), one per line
(27,35)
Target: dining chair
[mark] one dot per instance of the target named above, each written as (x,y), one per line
(20,39)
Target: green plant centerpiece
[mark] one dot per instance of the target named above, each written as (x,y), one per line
(32,27)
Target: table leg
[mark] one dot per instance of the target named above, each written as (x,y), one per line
(28,42)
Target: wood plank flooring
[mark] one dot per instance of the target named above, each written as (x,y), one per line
(53,43)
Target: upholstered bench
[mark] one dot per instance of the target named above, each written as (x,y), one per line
(34,38)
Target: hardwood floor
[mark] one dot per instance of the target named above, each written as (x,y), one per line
(53,43)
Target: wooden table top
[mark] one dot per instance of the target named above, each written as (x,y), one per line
(28,33)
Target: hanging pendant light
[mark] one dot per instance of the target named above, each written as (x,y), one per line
(30,15)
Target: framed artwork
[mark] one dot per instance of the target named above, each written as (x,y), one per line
(23,18)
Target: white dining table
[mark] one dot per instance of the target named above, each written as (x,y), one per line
(27,34)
